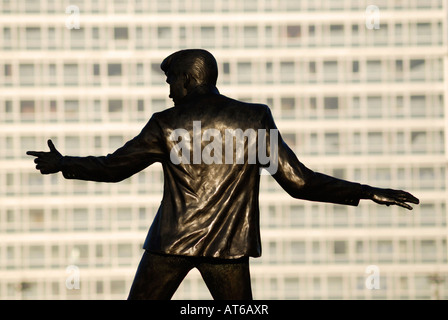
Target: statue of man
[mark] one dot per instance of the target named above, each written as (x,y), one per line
(209,215)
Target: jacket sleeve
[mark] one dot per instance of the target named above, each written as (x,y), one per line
(302,183)
(134,156)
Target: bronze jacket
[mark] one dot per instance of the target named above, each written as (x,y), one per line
(210,209)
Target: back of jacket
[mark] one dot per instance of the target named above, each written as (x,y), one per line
(210,200)
(211,149)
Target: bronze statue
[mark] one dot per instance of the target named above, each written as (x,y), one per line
(209,215)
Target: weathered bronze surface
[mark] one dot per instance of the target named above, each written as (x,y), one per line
(209,210)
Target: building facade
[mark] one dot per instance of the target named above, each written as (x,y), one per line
(358,92)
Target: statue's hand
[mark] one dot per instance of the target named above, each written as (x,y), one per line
(391,197)
(47,162)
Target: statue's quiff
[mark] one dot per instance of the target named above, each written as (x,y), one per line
(199,64)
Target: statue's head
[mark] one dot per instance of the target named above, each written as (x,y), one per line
(187,69)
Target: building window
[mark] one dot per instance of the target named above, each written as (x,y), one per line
(8,107)
(332,143)
(335,287)
(27,109)
(427,178)
(121,33)
(71,74)
(312,67)
(428,250)
(374,106)
(52,76)
(158,105)
(373,71)
(293,34)
(418,106)
(157,75)
(36,218)
(355,66)
(385,250)
(207,6)
(330,71)
(380,36)
(77,38)
(399,70)
(32,6)
(290,139)
(96,43)
(336,35)
(291,287)
(331,107)
(297,216)
(114,69)
(417,72)
(140,105)
(424,34)
(71,110)
(164,5)
(429,216)
(250,36)
(269,70)
(7,38)
(140,75)
(288,107)
(8,70)
(96,69)
(208,36)
(124,251)
(340,247)
(287,72)
(244,72)
(72,143)
(115,142)
(115,106)
(292,5)
(418,142)
(375,142)
(164,35)
(293,31)
(26,72)
(298,251)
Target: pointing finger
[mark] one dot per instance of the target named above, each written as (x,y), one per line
(35,153)
(413,199)
(403,205)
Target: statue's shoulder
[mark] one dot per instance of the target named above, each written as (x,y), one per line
(256,107)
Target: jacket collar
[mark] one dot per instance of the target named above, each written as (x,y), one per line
(199,91)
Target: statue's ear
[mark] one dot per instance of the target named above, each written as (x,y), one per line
(187,80)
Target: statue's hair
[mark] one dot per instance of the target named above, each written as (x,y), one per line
(197,63)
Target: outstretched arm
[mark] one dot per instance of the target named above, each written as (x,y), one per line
(134,156)
(303,183)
